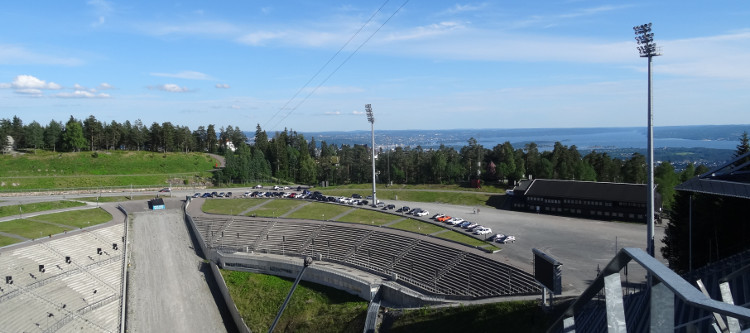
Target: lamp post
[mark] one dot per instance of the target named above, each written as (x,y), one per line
(371,119)
(647,49)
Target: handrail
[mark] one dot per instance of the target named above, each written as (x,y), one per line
(676,284)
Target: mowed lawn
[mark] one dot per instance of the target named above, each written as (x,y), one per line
(230,206)
(276,207)
(35,227)
(4,241)
(77,218)
(11,210)
(318,211)
(31,229)
(368,216)
(416,226)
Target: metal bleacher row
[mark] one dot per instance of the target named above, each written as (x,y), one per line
(80,295)
(424,263)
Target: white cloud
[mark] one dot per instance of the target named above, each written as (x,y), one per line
(29,91)
(431,30)
(102,9)
(464,8)
(202,28)
(15,55)
(170,87)
(31,82)
(81,94)
(222,86)
(260,37)
(335,90)
(105,86)
(187,75)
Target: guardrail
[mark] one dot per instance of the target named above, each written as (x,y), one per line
(124,276)
(665,286)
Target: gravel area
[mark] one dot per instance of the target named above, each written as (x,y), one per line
(167,292)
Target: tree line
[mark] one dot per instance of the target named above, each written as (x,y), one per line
(289,156)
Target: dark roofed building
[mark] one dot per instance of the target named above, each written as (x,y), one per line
(730,180)
(602,201)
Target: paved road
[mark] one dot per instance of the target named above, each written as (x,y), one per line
(166,291)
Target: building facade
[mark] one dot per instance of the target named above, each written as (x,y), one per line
(594,200)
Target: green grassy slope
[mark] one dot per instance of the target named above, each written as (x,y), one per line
(48,170)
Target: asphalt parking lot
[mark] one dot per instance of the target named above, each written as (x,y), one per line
(580,244)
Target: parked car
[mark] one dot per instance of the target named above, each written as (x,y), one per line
(444,218)
(509,239)
(206,195)
(197,195)
(259,186)
(292,195)
(276,187)
(496,237)
(472,225)
(390,206)
(356,196)
(436,216)
(228,195)
(455,220)
(464,224)
(422,213)
(221,194)
(166,189)
(214,194)
(482,231)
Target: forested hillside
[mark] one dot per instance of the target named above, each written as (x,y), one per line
(289,156)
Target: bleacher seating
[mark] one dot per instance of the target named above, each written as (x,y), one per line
(424,263)
(81,295)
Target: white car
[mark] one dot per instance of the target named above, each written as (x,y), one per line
(472,226)
(482,231)
(455,220)
(437,216)
(422,213)
(276,187)
(259,186)
(509,239)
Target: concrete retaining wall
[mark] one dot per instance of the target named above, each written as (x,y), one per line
(238,321)
(395,295)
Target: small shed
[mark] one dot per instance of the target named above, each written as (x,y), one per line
(156,203)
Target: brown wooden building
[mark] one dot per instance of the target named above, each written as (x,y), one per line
(601,201)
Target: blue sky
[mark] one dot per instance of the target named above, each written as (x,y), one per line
(432,65)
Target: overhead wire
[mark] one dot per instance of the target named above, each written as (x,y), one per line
(327,63)
(340,65)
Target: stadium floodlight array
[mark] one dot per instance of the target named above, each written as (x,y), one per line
(371,119)
(645,39)
(647,49)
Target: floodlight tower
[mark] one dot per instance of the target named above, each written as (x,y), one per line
(371,119)
(647,49)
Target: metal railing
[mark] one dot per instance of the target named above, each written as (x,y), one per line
(665,287)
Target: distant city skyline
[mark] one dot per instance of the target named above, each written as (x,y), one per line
(422,65)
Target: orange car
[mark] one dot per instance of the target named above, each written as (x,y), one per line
(443,218)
